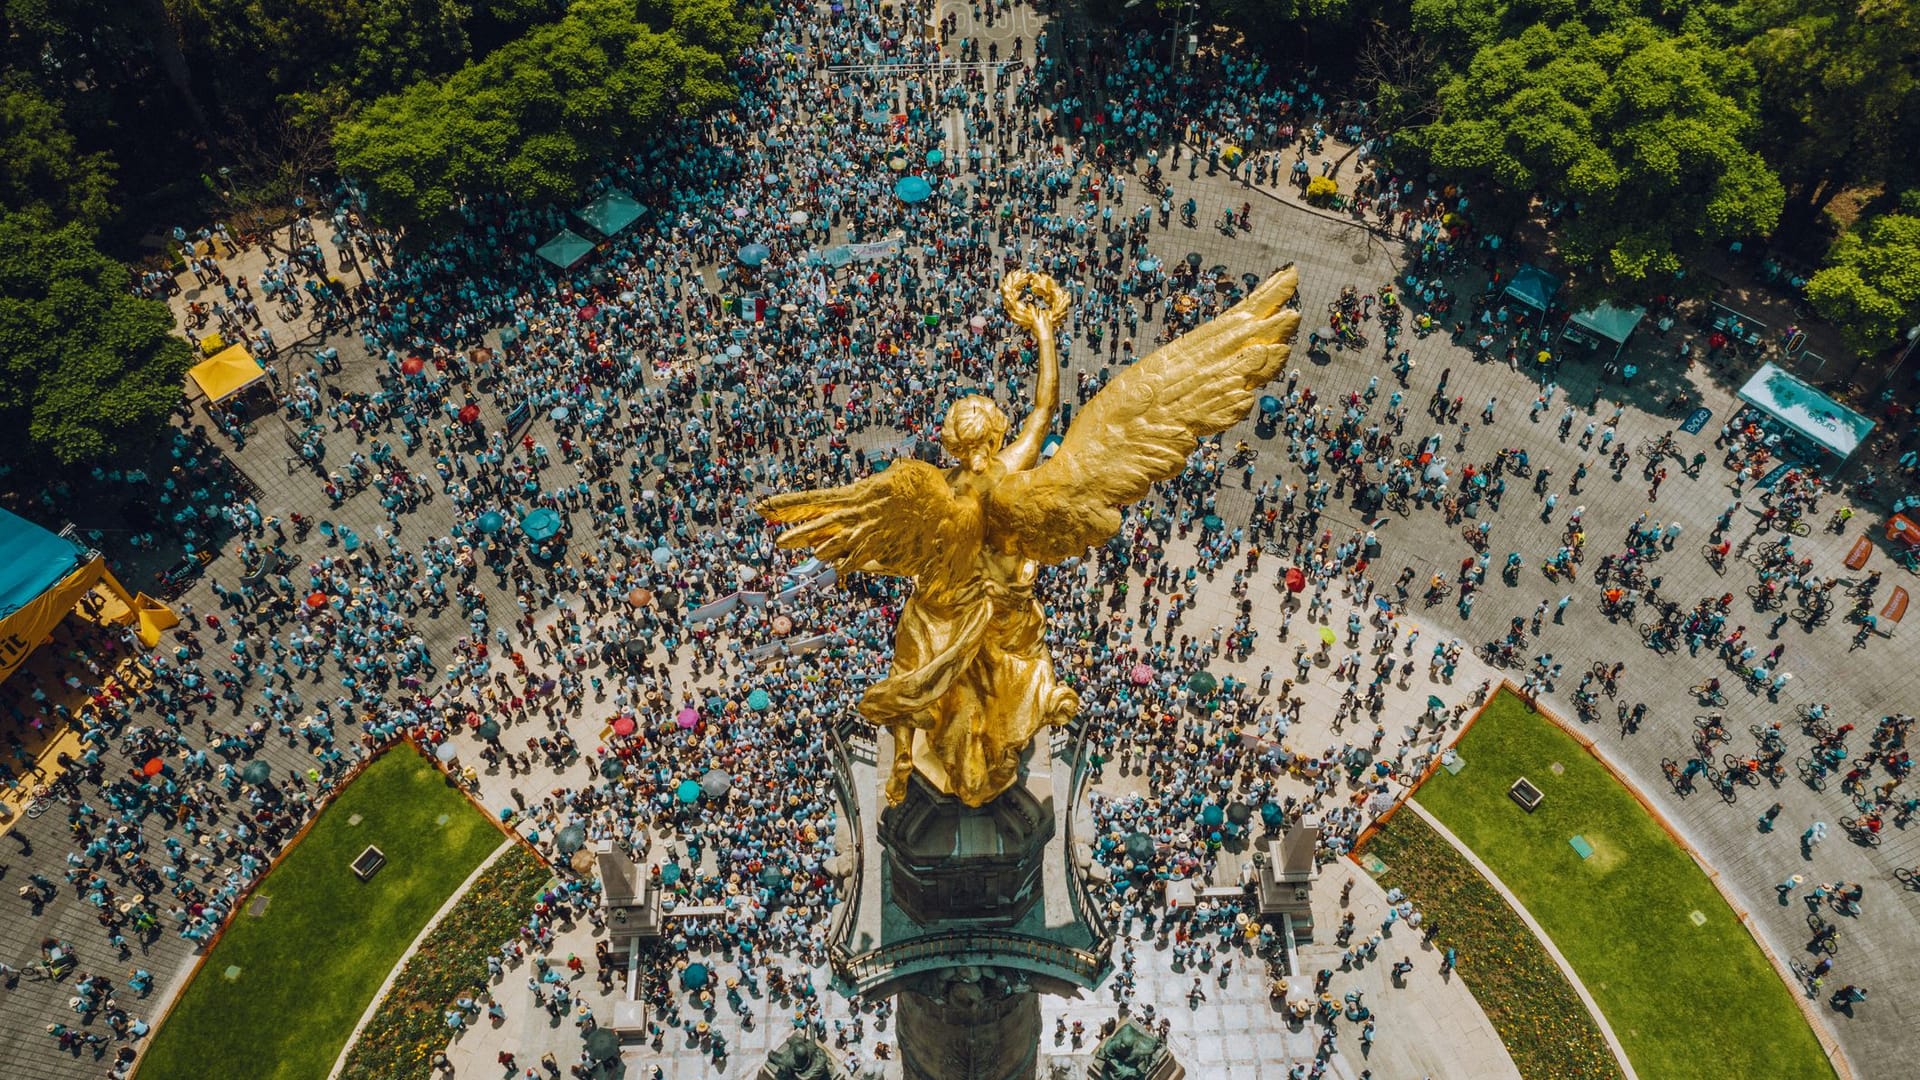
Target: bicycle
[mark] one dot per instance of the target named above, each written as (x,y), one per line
(1764,599)
(1808,980)
(1716,558)
(1743,771)
(1812,617)
(1794,526)
(1671,768)
(1812,772)
(1709,695)
(1908,877)
(1826,936)
(1860,832)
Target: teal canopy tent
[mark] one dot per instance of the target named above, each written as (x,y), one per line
(32,560)
(1609,322)
(611,212)
(565,250)
(1533,287)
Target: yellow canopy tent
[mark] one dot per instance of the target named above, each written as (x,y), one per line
(153,617)
(42,577)
(227,373)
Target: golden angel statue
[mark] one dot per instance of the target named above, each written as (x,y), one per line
(972,681)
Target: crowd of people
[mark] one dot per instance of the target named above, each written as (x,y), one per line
(595,437)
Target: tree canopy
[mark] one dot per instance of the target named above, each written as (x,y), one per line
(1641,134)
(87,370)
(539,116)
(1870,287)
(1840,90)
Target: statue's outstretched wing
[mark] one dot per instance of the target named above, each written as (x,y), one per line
(904,522)
(1141,428)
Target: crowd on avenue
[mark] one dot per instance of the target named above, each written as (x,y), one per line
(608,622)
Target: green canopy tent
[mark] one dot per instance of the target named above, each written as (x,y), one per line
(610,213)
(566,249)
(1605,321)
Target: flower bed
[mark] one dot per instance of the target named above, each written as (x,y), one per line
(1543,1022)
(403,1033)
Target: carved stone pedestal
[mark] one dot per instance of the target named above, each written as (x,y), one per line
(969,1024)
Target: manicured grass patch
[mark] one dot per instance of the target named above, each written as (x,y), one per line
(1686,999)
(310,965)
(1531,1005)
(399,1041)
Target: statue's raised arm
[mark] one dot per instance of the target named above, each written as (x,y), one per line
(1038,303)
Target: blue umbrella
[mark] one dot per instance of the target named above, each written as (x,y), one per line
(912,189)
(753,254)
(1149,265)
(541,524)
(1269,404)
(491,522)
(688,791)
(759,701)
(693,977)
(559,412)
(1211,815)
(935,157)
(662,556)
(669,873)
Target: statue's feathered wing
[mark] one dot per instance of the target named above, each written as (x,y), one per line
(1142,427)
(904,522)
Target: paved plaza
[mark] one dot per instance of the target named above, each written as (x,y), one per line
(1431,1027)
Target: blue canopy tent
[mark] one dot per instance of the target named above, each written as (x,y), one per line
(1806,412)
(566,249)
(610,213)
(1533,287)
(1605,321)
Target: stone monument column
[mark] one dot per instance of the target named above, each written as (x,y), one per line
(968,1024)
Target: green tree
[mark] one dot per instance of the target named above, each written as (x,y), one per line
(87,370)
(327,56)
(1840,83)
(1870,286)
(539,116)
(41,165)
(1642,135)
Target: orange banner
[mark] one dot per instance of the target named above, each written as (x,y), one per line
(1857,556)
(1896,606)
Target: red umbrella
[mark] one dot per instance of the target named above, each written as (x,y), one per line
(469,413)
(623,725)
(413,365)
(317,600)
(1296,581)
(153,767)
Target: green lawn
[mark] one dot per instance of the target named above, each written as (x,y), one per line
(1687,1000)
(1544,1024)
(311,964)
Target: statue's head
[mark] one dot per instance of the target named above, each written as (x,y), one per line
(973,432)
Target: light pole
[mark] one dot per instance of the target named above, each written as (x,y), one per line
(1913,338)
